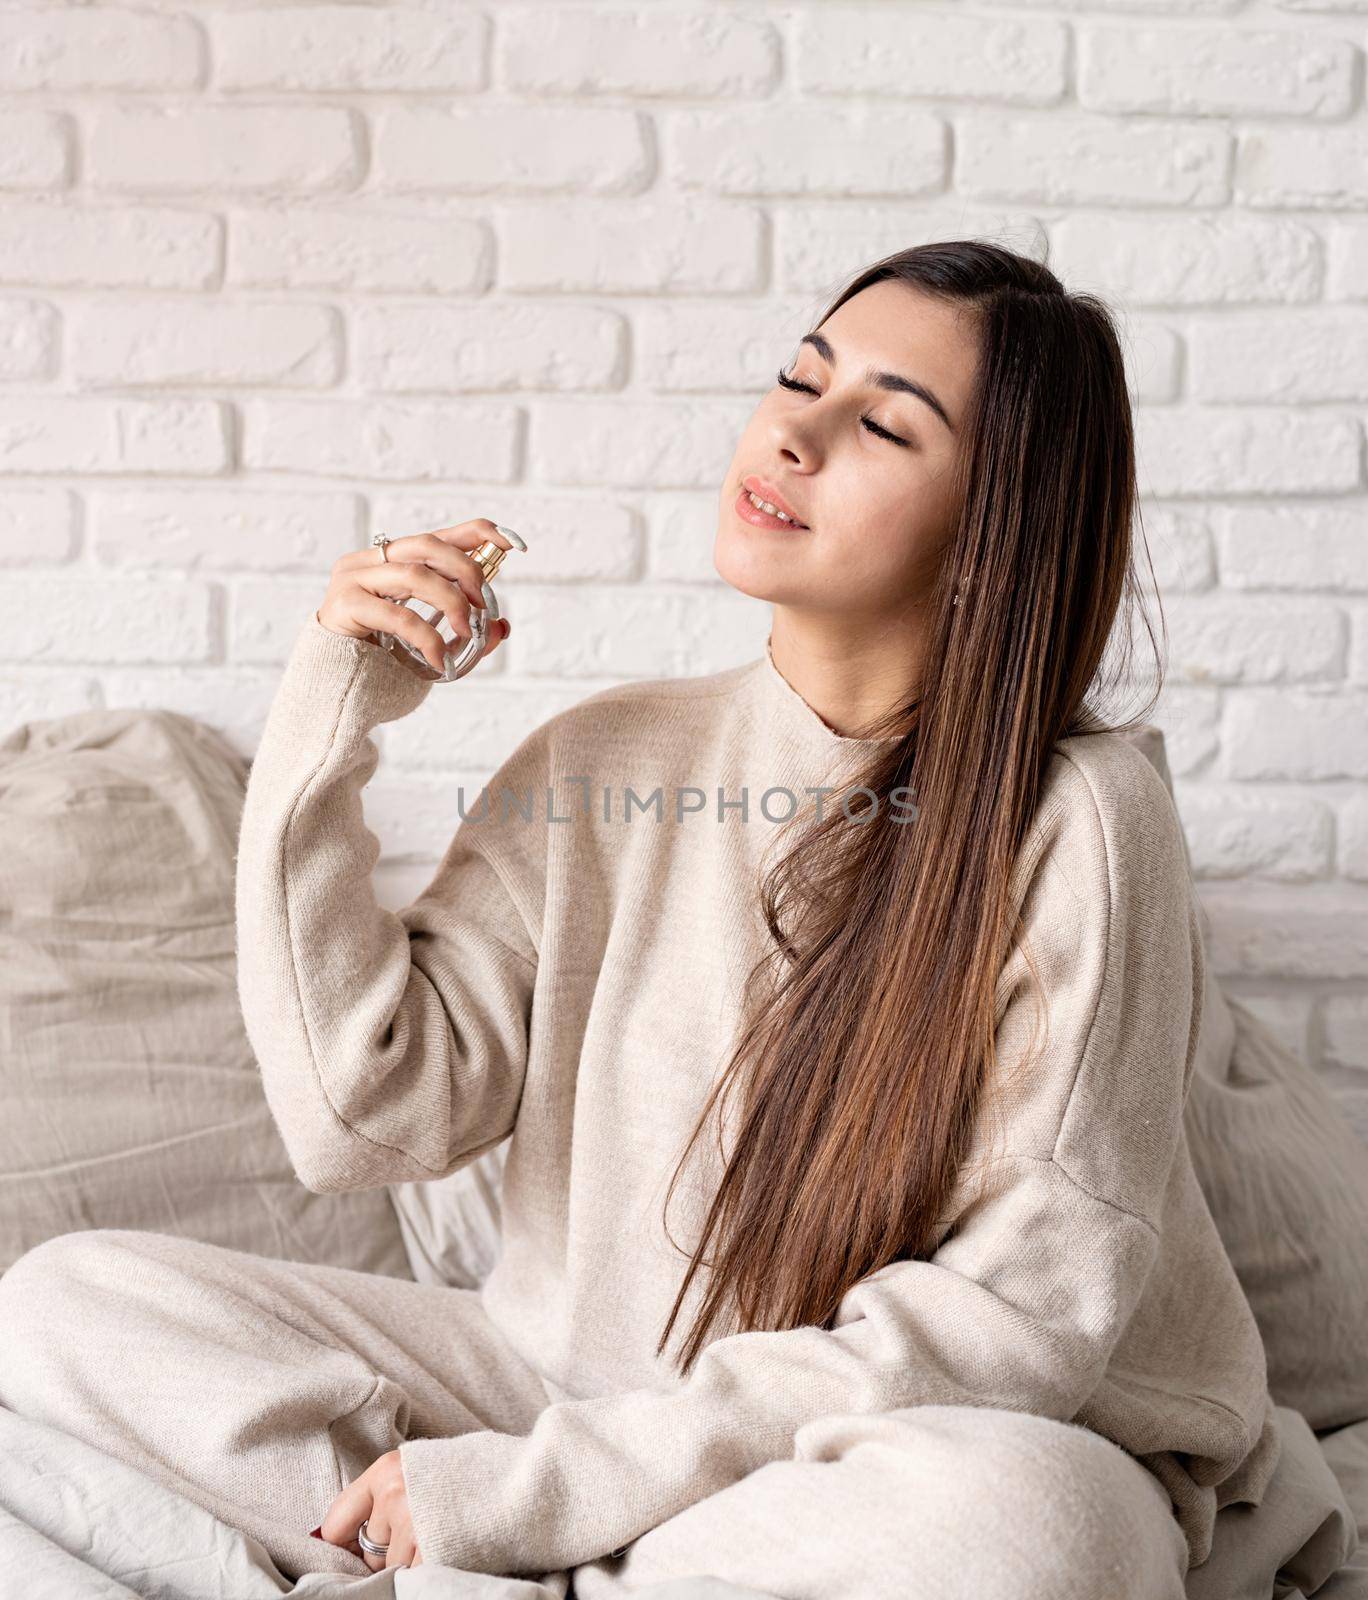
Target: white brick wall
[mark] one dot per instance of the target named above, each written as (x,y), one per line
(274,276)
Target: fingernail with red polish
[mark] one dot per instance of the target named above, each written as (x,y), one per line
(317,1533)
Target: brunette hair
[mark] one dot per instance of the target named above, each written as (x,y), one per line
(863,1064)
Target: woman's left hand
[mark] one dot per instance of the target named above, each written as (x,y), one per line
(379,1498)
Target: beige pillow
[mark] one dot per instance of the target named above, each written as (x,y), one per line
(1286,1177)
(129,1096)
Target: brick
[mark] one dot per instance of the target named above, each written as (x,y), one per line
(1314,167)
(566,50)
(651,444)
(415,818)
(1154,360)
(62,433)
(501,150)
(867,51)
(1347,252)
(1180,8)
(233,702)
(30,339)
(685,347)
(1255,640)
(352,249)
(477,730)
(815,246)
(688,246)
(37,694)
(1190,261)
(570,538)
(38,527)
(229,148)
(265,618)
(500,346)
(224,530)
(35,150)
(662,633)
(1304,546)
(1346,1031)
(109,247)
(1358,647)
(74,49)
(382,439)
(1266,931)
(827,150)
(1286,1016)
(1234,834)
(1352,834)
(1061,160)
(681,535)
(341,47)
(1214,72)
(86,620)
(1307,356)
(1211,450)
(1191,721)
(180,342)
(1302,734)
(1180,548)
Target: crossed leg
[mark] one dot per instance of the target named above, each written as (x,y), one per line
(258,1388)
(946,1502)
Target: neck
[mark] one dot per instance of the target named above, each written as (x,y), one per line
(850,673)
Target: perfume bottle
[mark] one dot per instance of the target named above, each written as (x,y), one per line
(459,658)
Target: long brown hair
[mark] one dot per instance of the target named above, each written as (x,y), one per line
(859,1097)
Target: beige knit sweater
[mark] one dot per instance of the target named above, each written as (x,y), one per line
(572,976)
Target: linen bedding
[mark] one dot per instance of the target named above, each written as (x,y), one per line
(128,1098)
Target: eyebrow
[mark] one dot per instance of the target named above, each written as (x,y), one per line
(882,380)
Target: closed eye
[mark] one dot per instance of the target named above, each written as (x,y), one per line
(786,382)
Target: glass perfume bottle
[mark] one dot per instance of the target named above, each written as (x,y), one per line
(459,657)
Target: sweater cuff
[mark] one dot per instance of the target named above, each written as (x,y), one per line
(327,668)
(469,1500)
(453,1491)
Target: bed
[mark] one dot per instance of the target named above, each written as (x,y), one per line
(129,1098)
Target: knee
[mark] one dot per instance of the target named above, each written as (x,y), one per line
(42,1288)
(64,1255)
(1059,1499)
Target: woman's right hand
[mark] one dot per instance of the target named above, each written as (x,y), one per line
(369,586)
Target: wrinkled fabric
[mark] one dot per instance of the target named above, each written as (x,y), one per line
(129,1095)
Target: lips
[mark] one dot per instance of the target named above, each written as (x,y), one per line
(764,490)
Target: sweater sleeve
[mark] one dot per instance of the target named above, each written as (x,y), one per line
(391,1046)
(1019,1307)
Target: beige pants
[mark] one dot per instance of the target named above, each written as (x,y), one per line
(259,1388)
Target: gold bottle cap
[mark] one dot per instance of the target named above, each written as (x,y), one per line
(488,555)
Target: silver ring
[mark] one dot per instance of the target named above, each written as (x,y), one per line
(380,541)
(367,1544)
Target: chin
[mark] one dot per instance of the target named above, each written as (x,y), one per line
(763,574)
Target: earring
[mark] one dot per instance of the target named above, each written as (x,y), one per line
(956,600)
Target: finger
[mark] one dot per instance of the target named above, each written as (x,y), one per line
(378,1532)
(403,1548)
(347,1512)
(456,565)
(382,617)
(417,580)
(461,535)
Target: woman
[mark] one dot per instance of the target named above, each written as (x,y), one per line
(841,1007)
